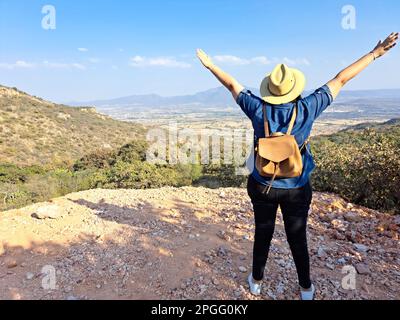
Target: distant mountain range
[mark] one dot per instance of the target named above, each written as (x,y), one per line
(215,97)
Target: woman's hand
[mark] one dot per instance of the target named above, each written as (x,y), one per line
(344,76)
(383,47)
(204,58)
(227,80)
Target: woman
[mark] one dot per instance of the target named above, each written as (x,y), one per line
(281,93)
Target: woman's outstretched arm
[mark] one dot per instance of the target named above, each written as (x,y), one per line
(337,83)
(227,80)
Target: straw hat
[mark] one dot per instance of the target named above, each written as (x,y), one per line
(283,85)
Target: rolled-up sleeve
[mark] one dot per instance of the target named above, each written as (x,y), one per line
(249,103)
(319,101)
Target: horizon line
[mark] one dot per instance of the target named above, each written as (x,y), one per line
(173,96)
(214,88)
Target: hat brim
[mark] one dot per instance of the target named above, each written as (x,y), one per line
(298,89)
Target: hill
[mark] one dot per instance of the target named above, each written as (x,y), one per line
(35,131)
(187,243)
(361,164)
(393,124)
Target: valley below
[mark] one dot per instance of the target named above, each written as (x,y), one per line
(215,109)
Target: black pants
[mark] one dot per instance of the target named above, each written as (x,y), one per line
(295,204)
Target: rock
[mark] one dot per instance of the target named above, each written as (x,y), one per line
(223,235)
(350,206)
(242,269)
(360,247)
(215,281)
(271,295)
(222,252)
(50,211)
(352,217)
(68,289)
(365,288)
(72,298)
(63,116)
(222,194)
(29,276)
(362,268)
(321,253)
(237,294)
(330,266)
(11,263)
(327,217)
(338,224)
(280,288)
(341,261)
(281,263)
(337,205)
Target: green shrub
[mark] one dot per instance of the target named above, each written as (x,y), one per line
(363,167)
(96,160)
(14,174)
(221,176)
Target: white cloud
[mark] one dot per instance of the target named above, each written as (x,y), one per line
(238,61)
(18,64)
(78,66)
(305,61)
(83,49)
(23,64)
(140,62)
(296,62)
(94,60)
(260,60)
(233,60)
(57,65)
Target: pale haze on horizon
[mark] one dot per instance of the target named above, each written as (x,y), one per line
(117,48)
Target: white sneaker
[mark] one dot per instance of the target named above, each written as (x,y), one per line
(307,294)
(255,286)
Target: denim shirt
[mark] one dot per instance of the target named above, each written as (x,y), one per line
(309,109)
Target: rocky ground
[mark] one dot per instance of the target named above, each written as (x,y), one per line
(186,243)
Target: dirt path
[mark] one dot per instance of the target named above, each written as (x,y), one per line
(186,243)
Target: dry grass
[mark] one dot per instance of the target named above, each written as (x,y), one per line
(34,131)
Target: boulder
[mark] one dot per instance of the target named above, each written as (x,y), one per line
(362,268)
(360,247)
(352,217)
(48,211)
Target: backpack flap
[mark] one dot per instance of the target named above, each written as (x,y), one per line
(277,149)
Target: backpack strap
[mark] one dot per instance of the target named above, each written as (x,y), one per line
(293,120)
(291,124)
(266,126)
(269,187)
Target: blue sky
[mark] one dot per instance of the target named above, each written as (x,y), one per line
(111,48)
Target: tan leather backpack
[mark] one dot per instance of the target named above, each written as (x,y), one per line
(279,155)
